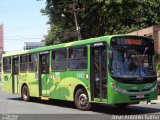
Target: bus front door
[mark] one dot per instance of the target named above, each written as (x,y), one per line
(98,73)
(15,74)
(44,88)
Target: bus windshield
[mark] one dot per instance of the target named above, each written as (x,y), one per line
(131,62)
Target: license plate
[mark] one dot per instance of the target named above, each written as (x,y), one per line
(140,96)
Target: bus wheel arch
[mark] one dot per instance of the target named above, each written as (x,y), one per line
(81,98)
(25,94)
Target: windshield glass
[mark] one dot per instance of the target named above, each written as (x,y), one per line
(132,62)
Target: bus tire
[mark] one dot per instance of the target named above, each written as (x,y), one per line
(25,95)
(81,100)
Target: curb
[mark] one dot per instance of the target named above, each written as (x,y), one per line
(152,102)
(155,101)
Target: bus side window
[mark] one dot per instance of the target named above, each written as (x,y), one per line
(45,63)
(32,62)
(7,65)
(23,63)
(78,58)
(59,59)
(15,65)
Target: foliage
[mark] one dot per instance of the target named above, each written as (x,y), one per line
(99,17)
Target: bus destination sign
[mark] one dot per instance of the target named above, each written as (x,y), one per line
(127,41)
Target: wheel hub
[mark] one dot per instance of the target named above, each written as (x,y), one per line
(25,94)
(83,100)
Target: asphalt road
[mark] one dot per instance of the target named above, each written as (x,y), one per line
(11,106)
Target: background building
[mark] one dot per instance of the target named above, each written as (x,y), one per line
(32,45)
(153,32)
(1,38)
(1,43)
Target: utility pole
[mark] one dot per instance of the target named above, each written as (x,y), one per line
(74,11)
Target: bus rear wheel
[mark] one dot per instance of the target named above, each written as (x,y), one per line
(81,100)
(25,95)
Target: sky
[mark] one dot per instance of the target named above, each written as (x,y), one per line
(22,22)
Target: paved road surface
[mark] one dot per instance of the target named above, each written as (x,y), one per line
(62,110)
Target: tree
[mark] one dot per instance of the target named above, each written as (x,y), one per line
(99,17)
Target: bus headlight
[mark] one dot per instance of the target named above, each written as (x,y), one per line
(118,89)
(154,88)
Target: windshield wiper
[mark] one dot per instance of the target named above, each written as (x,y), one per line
(143,54)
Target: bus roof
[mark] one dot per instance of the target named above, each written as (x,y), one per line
(79,42)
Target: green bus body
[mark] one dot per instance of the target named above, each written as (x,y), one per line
(62,84)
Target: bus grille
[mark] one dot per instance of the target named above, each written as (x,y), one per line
(138,90)
(133,97)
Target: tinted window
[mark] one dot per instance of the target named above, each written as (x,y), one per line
(7,65)
(32,62)
(78,58)
(44,63)
(59,61)
(15,65)
(23,63)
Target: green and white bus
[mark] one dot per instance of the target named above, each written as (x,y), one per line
(117,69)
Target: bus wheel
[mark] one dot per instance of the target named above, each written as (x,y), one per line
(122,105)
(25,95)
(81,100)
